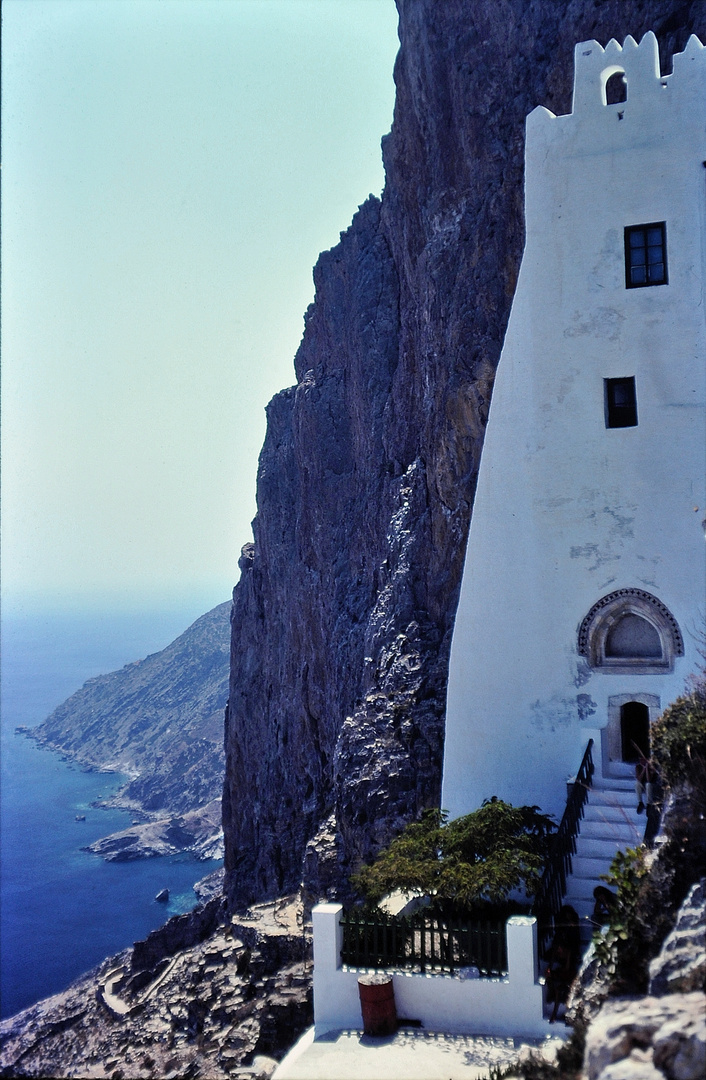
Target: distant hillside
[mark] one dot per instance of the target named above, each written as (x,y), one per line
(159,720)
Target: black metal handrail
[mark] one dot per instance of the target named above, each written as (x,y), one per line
(552,887)
(423,942)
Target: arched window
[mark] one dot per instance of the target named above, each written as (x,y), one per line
(630,630)
(616,88)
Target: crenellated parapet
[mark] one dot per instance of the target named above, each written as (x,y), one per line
(617,83)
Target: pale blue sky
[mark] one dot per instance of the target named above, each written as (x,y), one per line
(171,170)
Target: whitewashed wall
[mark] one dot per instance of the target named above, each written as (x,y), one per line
(511,1006)
(567,510)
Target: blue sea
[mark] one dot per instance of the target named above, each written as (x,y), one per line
(64,910)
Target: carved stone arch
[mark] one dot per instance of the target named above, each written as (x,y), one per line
(630,630)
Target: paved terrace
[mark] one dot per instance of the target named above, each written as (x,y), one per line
(414,1055)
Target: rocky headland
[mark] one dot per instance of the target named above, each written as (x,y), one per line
(198,832)
(159,721)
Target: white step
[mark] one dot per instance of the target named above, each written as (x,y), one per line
(591,869)
(584,908)
(612,798)
(603,848)
(610,823)
(613,783)
(584,904)
(610,812)
(623,831)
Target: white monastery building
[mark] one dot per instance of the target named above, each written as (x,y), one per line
(583,599)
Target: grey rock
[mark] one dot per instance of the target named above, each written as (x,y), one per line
(681,964)
(211,885)
(637,1066)
(663,1037)
(198,831)
(588,991)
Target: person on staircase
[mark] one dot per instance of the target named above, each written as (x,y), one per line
(603,907)
(649,793)
(564,956)
(645,778)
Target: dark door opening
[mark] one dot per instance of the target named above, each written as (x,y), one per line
(634,730)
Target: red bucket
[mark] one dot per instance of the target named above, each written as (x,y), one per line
(377,1004)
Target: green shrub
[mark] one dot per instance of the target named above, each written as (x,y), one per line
(479,858)
(619,947)
(679,739)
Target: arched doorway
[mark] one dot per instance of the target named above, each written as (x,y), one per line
(634,730)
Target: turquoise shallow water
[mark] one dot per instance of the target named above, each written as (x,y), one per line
(64,910)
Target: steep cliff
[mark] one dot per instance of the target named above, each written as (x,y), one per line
(343,613)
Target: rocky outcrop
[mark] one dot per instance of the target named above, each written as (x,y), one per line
(201,1001)
(158,720)
(681,964)
(198,832)
(648,1039)
(343,613)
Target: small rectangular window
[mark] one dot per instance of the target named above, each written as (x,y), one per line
(620,403)
(645,255)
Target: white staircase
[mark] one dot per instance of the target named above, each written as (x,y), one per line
(610,823)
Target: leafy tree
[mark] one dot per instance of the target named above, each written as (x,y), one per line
(679,739)
(474,859)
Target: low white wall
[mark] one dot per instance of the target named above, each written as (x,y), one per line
(444,1003)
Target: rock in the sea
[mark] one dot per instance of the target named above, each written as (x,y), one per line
(648,1038)
(162,896)
(681,965)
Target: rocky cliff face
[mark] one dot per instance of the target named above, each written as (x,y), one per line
(343,614)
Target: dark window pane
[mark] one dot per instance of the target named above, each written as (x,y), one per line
(645,262)
(620,403)
(633,637)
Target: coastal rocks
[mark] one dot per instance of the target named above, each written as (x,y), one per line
(211,885)
(681,965)
(179,932)
(648,1039)
(198,832)
(216,1008)
(158,720)
(367,473)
